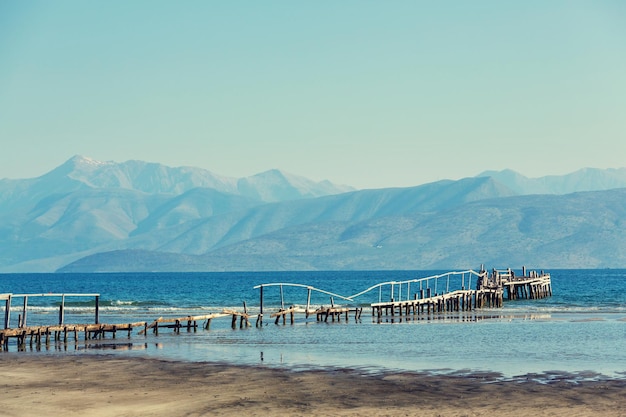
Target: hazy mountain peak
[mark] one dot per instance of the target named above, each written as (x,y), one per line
(585,179)
(85,161)
(87,206)
(278,185)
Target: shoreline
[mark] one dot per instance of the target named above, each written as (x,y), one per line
(113,385)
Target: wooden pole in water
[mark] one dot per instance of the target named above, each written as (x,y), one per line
(245,311)
(62,310)
(24,311)
(282,301)
(260,318)
(7,312)
(308,302)
(97,318)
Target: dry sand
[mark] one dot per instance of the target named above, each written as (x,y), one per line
(91,385)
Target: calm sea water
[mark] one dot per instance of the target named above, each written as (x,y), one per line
(580,329)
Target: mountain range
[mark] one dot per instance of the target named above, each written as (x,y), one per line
(88,215)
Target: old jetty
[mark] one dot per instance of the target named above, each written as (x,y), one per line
(57,331)
(432,296)
(442,293)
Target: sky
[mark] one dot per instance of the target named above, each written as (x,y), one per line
(370,94)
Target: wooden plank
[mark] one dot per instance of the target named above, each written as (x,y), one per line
(283,312)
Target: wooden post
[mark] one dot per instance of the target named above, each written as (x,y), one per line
(282,300)
(245,311)
(97,318)
(7,312)
(62,310)
(24,311)
(259,320)
(308,301)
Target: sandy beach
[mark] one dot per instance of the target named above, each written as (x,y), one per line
(102,385)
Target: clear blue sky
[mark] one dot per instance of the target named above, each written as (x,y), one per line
(367,93)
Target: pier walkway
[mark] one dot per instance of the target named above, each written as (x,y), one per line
(463,291)
(447,292)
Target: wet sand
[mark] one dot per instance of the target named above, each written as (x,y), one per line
(103,385)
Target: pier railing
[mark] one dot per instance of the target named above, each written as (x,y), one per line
(427,286)
(8,298)
(447,292)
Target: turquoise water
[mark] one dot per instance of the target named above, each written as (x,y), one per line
(580,329)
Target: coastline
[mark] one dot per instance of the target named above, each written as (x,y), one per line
(113,385)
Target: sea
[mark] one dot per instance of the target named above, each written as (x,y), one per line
(577,333)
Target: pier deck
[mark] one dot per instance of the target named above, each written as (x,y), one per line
(444,293)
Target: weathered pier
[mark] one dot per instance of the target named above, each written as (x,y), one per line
(190,323)
(433,296)
(57,332)
(38,335)
(443,293)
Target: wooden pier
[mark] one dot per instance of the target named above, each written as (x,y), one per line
(44,334)
(444,293)
(427,297)
(36,335)
(191,322)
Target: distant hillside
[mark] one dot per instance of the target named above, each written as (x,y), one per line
(153,178)
(91,215)
(586,179)
(85,205)
(582,230)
